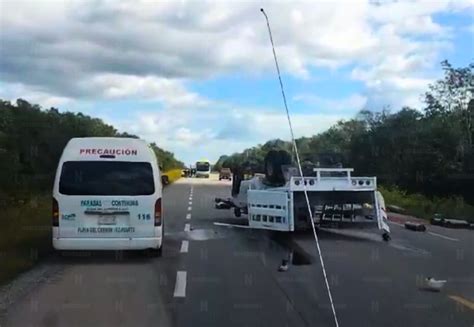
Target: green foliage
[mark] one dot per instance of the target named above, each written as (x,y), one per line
(219,163)
(32,140)
(424,207)
(426,151)
(25,234)
(166,159)
(253,158)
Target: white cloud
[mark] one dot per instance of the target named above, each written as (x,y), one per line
(171,92)
(14,91)
(203,39)
(57,52)
(218,131)
(352,103)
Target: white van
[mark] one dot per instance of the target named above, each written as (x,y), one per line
(107,196)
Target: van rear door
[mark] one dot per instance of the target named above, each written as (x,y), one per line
(106,199)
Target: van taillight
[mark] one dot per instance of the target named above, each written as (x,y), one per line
(158,212)
(55,213)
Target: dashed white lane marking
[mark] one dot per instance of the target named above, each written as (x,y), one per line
(190,208)
(187,227)
(443,236)
(184,247)
(190,203)
(180,286)
(431,233)
(188,216)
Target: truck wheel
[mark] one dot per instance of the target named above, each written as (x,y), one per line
(236,184)
(274,160)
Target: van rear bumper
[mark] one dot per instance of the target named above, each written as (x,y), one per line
(107,243)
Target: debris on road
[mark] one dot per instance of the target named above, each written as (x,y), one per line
(284,266)
(455,223)
(434,285)
(415,226)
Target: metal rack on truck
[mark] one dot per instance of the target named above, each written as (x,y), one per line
(337,199)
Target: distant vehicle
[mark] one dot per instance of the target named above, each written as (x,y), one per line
(186,172)
(107,195)
(225,173)
(441,220)
(203,168)
(437,219)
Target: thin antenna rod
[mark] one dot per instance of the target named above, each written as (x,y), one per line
(300,170)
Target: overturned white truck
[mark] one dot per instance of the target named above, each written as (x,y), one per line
(337,200)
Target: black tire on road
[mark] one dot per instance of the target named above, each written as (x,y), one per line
(237,212)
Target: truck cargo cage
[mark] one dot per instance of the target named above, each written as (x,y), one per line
(270,210)
(336,199)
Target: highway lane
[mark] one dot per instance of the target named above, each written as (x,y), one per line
(108,289)
(219,276)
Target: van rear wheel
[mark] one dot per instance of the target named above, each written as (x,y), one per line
(155,253)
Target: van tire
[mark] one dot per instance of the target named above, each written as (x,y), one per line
(155,253)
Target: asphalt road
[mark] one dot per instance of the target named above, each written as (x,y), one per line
(224,276)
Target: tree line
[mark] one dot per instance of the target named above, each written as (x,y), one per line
(426,150)
(32,140)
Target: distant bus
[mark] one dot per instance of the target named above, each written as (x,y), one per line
(203,168)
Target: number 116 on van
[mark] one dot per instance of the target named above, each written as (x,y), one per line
(144,216)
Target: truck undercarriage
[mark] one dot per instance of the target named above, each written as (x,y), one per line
(336,200)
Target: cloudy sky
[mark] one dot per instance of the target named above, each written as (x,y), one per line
(198,78)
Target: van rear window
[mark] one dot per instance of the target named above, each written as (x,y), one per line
(106,178)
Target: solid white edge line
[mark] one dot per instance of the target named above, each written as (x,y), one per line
(187,227)
(184,246)
(180,286)
(188,216)
(445,237)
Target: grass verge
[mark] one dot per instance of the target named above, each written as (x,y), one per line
(25,235)
(423,207)
(173,175)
